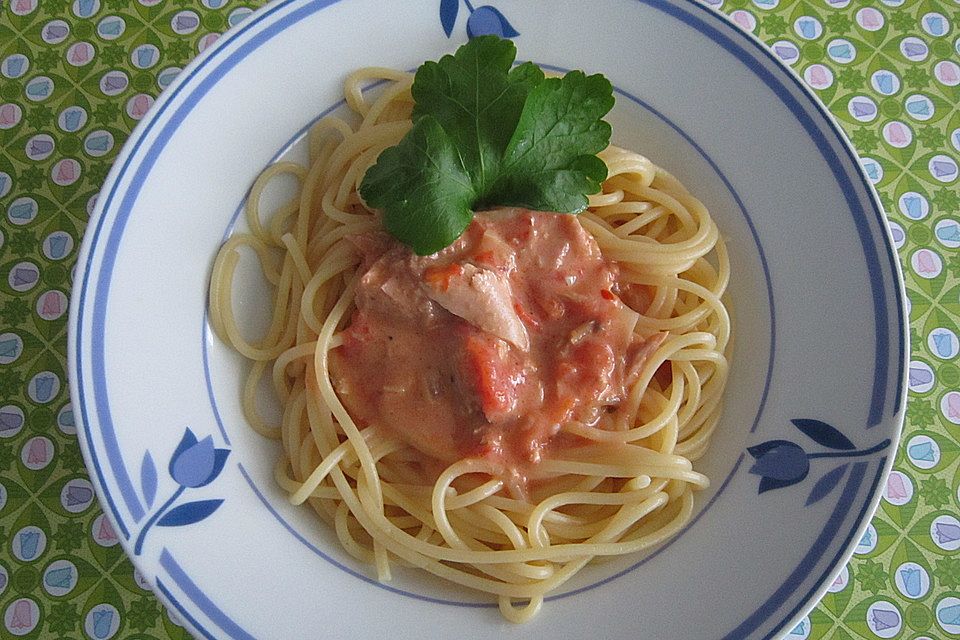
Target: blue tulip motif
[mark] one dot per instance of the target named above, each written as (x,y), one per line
(779,463)
(884,619)
(912,581)
(102,622)
(782,463)
(194,463)
(482,21)
(949,615)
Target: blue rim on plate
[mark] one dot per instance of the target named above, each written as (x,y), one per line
(147,141)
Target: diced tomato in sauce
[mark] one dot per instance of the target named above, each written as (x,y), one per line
(463,383)
(441,276)
(492,372)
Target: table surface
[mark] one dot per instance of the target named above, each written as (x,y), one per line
(77,76)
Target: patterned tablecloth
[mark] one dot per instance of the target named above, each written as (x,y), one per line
(78,75)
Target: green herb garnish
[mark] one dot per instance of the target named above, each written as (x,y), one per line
(486,133)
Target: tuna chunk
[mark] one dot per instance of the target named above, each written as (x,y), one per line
(483,298)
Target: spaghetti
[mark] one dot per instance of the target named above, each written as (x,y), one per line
(629,483)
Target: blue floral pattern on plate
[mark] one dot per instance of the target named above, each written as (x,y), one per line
(782,463)
(483,20)
(194,463)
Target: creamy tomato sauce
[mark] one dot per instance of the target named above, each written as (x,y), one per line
(486,348)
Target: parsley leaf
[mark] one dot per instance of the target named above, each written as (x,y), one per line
(477,98)
(550,163)
(487,133)
(423,187)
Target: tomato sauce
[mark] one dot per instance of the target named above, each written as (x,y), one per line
(487,347)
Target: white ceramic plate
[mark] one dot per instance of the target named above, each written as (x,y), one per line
(819,331)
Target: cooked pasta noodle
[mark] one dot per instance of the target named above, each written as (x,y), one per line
(629,488)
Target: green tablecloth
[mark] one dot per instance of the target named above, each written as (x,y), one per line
(76,77)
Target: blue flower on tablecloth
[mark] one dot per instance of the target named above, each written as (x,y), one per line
(884,619)
(949,615)
(194,463)
(482,21)
(782,463)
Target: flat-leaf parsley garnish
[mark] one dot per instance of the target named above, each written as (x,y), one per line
(487,133)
